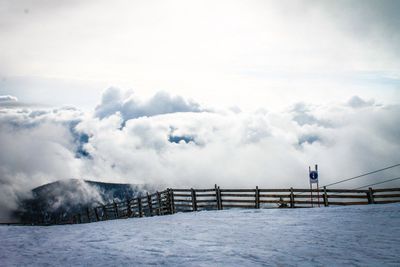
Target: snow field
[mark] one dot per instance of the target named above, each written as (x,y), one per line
(335,236)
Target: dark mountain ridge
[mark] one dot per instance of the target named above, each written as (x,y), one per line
(61,199)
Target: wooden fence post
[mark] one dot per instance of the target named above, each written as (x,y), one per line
(149,204)
(173,209)
(116,210)
(105,215)
(128,208)
(257,197)
(88,213)
(218,197)
(326,202)
(139,199)
(370,196)
(291,198)
(169,201)
(159,203)
(194,202)
(96,214)
(371,192)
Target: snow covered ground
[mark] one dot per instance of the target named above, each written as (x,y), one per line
(342,236)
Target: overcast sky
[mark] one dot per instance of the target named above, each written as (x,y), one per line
(220,53)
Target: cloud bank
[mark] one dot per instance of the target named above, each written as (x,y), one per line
(131,107)
(169,141)
(7,98)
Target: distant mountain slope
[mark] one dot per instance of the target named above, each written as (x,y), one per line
(64,197)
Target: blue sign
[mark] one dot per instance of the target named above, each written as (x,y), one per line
(313,177)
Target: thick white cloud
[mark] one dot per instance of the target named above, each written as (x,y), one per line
(114,100)
(148,142)
(6,98)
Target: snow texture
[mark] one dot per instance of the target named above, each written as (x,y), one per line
(334,236)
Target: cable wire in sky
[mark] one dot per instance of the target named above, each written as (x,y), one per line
(386,181)
(362,175)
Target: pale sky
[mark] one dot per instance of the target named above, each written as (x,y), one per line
(250,54)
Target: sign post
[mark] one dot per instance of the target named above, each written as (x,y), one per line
(314,180)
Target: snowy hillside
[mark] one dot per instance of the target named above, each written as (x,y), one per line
(341,236)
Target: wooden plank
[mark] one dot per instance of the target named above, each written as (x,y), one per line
(387,196)
(204,195)
(306,196)
(346,196)
(386,201)
(276,195)
(145,204)
(276,190)
(183,200)
(237,190)
(306,190)
(304,202)
(236,195)
(180,190)
(206,201)
(386,190)
(238,200)
(204,190)
(344,191)
(275,201)
(239,206)
(347,203)
(183,205)
(182,195)
(180,198)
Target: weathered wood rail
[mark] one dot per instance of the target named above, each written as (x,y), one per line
(171,201)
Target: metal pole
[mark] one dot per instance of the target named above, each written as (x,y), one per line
(318,194)
(312,204)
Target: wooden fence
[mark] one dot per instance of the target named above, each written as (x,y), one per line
(171,201)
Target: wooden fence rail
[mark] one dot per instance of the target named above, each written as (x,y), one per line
(172,200)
